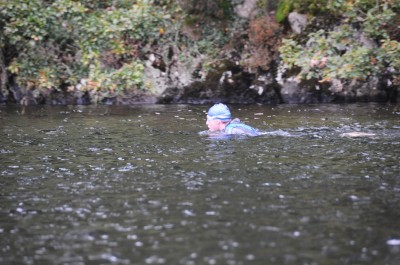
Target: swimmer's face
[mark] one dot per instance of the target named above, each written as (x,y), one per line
(213,124)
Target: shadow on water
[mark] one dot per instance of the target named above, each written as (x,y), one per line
(141,185)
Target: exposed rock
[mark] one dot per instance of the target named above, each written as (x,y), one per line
(336,86)
(293,91)
(227,83)
(177,73)
(155,78)
(358,91)
(246,9)
(298,22)
(368,91)
(16,92)
(338,91)
(366,41)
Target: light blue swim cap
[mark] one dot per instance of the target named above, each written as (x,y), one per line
(219,111)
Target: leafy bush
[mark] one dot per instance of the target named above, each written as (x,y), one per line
(359,48)
(57,45)
(101,84)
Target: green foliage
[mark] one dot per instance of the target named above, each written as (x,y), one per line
(390,52)
(57,44)
(319,7)
(352,9)
(311,7)
(284,7)
(375,19)
(107,84)
(116,30)
(331,8)
(346,52)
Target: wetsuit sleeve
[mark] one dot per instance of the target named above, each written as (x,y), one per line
(243,131)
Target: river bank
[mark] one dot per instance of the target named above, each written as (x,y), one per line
(247,51)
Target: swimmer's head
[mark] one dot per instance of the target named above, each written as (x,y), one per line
(219,112)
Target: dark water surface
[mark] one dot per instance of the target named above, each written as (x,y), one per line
(140,185)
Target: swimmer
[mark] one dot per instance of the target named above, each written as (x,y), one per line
(219,120)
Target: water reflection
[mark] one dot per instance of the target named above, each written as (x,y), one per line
(140,185)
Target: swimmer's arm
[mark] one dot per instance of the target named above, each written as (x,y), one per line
(241,131)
